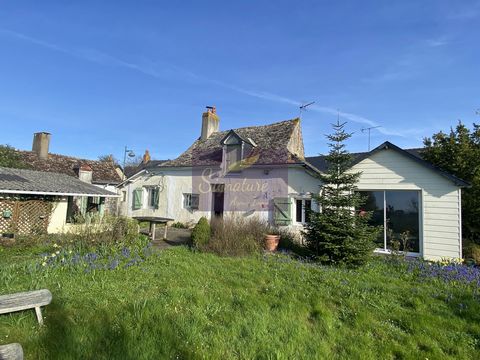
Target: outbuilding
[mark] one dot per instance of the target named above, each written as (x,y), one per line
(35,202)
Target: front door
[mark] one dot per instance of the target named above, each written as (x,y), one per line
(218,199)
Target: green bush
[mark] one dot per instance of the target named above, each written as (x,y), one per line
(201,233)
(179,225)
(290,242)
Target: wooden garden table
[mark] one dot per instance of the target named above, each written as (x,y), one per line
(153,221)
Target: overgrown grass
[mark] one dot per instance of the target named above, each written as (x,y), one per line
(183,304)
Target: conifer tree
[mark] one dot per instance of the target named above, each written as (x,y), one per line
(337,233)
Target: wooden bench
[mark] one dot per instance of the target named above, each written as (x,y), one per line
(26,300)
(11,352)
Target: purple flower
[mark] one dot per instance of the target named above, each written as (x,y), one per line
(126,252)
(113,265)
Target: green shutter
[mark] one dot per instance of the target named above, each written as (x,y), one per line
(137,199)
(282,210)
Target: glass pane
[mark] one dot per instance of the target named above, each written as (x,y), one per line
(374,204)
(234,153)
(403,219)
(308,205)
(299,209)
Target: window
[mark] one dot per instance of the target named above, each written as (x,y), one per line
(397,211)
(233,155)
(153,197)
(191,201)
(303,207)
(137,199)
(124,195)
(72,209)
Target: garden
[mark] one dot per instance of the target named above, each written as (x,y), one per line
(123,299)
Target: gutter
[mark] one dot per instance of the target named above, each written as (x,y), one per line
(23,192)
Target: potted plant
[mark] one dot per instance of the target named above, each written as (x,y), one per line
(272,239)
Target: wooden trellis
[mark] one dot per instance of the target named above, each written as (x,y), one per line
(26,217)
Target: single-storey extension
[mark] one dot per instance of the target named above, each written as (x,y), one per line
(409,196)
(45,202)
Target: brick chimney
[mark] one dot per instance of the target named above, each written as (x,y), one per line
(146,157)
(210,122)
(85,173)
(41,142)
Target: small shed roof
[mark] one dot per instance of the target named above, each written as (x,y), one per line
(23,181)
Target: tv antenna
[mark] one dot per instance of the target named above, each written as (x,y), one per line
(304,106)
(369,129)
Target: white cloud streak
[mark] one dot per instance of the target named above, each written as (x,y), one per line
(99,57)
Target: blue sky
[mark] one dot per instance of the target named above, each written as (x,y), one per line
(100,75)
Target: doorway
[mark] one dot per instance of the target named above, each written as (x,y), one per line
(218,199)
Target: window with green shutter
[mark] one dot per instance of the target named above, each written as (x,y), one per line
(137,199)
(282,210)
(153,197)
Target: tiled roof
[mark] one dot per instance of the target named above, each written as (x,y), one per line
(132,170)
(103,172)
(26,181)
(273,146)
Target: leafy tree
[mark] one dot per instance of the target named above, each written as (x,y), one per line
(338,233)
(9,157)
(459,153)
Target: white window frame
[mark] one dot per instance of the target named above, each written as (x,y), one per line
(188,201)
(149,191)
(384,250)
(302,199)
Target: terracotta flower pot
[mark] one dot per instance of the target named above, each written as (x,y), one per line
(271,242)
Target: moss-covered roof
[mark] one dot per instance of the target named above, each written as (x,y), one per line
(273,146)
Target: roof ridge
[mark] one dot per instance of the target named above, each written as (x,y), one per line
(259,126)
(61,155)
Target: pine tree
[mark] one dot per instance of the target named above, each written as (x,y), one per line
(338,233)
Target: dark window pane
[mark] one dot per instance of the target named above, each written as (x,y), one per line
(308,205)
(299,211)
(403,219)
(308,209)
(374,204)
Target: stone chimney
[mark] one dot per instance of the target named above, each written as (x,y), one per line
(85,173)
(210,122)
(41,142)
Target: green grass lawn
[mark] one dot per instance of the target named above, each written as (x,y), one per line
(182,304)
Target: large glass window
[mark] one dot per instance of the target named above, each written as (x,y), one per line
(375,204)
(397,211)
